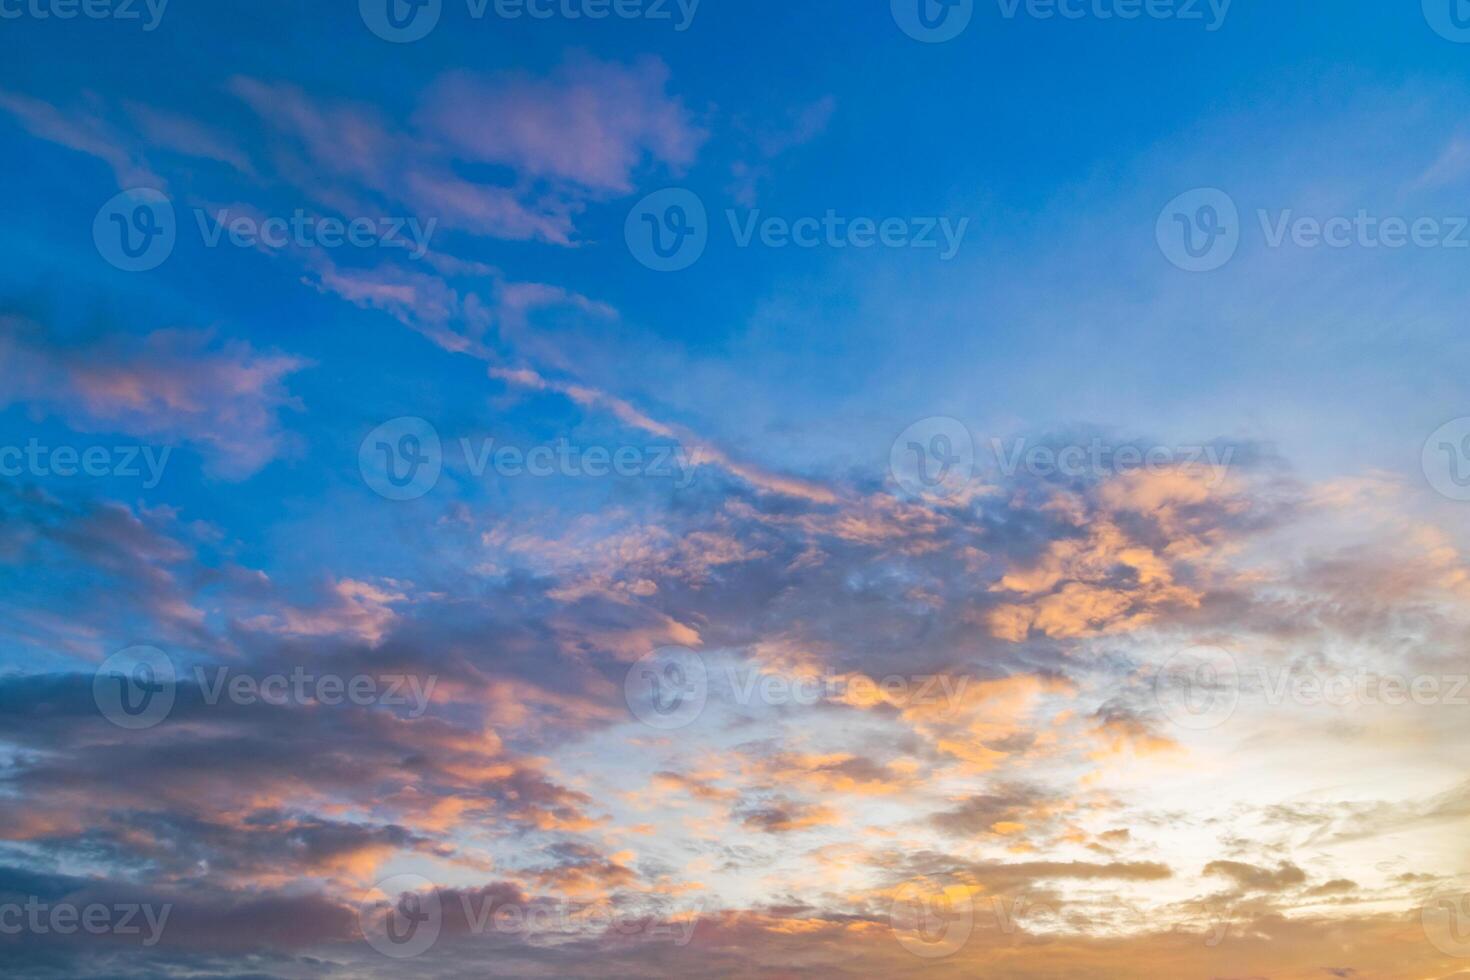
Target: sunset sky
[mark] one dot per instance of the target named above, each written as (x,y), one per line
(656,488)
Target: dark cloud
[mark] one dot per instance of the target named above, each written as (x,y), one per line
(1253,878)
(976,815)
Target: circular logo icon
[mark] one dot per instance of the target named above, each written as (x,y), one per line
(668,230)
(1449,18)
(667,688)
(135,230)
(401,916)
(135,688)
(1446,922)
(934,457)
(401,459)
(1199,230)
(1198,687)
(1446,459)
(400,21)
(930,919)
(933,21)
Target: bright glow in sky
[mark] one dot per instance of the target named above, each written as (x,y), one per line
(674,489)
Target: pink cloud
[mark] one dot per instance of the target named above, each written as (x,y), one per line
(83,130)
(519,299)
(361,610)
(702,451)
(342,139)
(455,320)
(591,124)
(487,210)
(171,384)
(184,135)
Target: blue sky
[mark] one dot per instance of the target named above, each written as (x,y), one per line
(1053,136)
(328,426)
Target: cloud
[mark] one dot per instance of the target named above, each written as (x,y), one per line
(181,134)
(460,319)
(181,386)
(85,130)
(131,568)
(228,782)
(1336,886)
(583,131)
(495,212)
(1253,878)
(1451,166)
(779,815)
(803,123)
(980,814)
(699,450)
(360,610)
(343,139)
(592,123)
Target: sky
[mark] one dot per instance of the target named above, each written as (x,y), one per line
(651,488)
